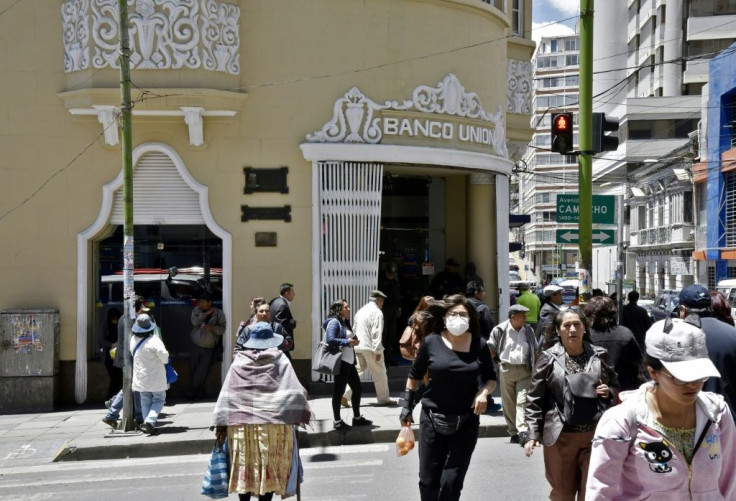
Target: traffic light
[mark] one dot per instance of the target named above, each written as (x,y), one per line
(562,132)
(601,141)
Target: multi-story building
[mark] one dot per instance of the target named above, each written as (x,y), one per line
(651,77)
(273,141)
(555,66)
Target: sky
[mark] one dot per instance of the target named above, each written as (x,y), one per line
(545,12)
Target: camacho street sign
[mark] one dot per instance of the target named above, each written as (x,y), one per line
(573,236)
(568,209)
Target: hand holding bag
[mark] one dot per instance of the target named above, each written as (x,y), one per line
(327,359)
(405,441)
(217,476)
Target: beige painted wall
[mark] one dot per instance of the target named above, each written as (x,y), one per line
(296,59)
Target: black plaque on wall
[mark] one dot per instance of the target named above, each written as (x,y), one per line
(265,180)
(265,213)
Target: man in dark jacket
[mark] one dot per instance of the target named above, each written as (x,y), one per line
(720,339)
(281,312)
(636,319)
(476,294)
(448,281)
(552,302)
(388,283)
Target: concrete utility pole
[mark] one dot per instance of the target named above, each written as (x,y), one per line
(585,138)
(128,422)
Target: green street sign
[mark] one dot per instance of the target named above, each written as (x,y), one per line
(573,236)
(568,208)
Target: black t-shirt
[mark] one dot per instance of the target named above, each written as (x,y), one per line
(453,375)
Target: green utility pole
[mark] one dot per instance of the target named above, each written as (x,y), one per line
(585,138)
(128,423)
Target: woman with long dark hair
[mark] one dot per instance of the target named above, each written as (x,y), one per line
(454,357)
(571,386)
(338,332)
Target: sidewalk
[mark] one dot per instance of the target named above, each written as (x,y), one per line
(184,429)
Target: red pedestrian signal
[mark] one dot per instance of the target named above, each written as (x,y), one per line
(561,139)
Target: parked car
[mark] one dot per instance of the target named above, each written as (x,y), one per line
(171,294)
(665,305)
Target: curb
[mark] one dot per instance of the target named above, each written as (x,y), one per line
(147,449)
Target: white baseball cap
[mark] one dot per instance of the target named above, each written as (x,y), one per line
(680,346)
(552,289)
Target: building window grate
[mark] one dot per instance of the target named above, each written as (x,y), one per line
(729,181)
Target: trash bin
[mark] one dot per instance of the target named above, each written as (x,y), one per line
(29,360)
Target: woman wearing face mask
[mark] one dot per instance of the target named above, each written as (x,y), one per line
(453,357)
(572,384)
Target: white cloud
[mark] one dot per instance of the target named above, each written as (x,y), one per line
(566,7)
(540,30)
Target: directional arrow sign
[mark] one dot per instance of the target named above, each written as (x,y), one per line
(568,208)
(573,236)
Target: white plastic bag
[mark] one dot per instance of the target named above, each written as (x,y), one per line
(405,441)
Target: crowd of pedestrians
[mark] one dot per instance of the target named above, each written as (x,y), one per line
(630,411)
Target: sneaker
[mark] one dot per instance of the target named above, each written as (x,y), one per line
(387,403)
(514,439)
(361,421)
(112,423)
(108,403)
(342,426)
(148,429)
(344,402)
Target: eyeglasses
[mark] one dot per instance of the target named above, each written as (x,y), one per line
(460,314)
(679,382)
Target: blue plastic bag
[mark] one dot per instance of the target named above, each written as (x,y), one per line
(171,374)
(217,477)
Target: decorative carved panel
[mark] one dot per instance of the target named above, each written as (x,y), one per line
(164,34)
(519,87)
(356,118)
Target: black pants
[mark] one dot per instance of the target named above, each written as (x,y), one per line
(348,377)
(444,459)
(201,360)
(263,497)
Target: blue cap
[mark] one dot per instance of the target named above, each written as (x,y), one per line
(261,337)
(695,296)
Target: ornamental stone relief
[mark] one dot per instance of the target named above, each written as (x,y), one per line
(164,34)
(356,118)
(519,87)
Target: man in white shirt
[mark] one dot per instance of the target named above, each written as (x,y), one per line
(368,328)
(514,348)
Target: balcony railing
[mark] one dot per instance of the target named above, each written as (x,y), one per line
(663,235)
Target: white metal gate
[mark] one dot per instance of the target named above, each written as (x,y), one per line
(350,215)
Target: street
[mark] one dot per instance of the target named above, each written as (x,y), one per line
(333,473)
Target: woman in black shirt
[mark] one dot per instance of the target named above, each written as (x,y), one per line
(455,357)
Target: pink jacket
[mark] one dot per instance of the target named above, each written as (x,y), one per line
(631,461)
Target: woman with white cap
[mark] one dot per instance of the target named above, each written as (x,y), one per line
(668,439)
(260,403)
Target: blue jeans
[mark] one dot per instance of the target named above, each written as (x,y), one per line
(117,405)
(152,403)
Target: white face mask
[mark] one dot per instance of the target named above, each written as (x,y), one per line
(457,325)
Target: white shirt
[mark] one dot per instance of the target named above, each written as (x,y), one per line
(348,354)
(515,348)
(368,326)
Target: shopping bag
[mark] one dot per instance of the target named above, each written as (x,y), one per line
(216,478)
(171,374)
(405,441)
(327,359)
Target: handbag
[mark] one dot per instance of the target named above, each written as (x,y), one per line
(171,375)
(409,343)
(327,359)
(217,477)
(447,424)
(582,404)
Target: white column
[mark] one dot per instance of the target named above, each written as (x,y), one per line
(673,35)
(502,244)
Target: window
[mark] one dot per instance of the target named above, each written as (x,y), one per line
(729,188)
(517,17)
